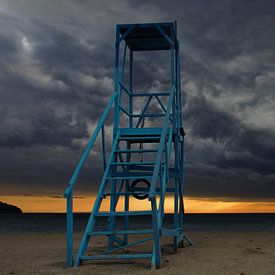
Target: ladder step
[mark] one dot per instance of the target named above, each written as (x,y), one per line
(115,257)
(140,94)
(145,168)
(137,151)
(148,115)
(121,232)
(125,213)
(141,132)
(131,174)
(133,163)
(140,139)
(128,177)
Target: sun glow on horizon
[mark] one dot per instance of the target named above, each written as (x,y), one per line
(44,204)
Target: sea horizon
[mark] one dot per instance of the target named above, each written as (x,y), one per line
(56,222)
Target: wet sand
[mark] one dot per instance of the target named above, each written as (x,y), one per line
(213,253)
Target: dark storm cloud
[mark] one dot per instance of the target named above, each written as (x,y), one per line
(230,151)
(208,121)
(57,75)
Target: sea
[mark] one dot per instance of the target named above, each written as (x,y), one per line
(56,223)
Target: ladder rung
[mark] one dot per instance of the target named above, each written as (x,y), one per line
(125,213)
(137,151)
(147,115)
(147,131)
(121,232)
(142,168)
(133,163)
(139,138)
(129,177)
(114,257)
(151,94)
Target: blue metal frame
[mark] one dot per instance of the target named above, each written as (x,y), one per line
(120,170)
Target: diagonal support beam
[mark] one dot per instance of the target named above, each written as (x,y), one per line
(127,245)
(162,107)
(127,32)
(160,103)
(169,40)
(144,111)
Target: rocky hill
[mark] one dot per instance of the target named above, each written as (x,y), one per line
(7,208)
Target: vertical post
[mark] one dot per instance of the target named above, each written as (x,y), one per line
(128,155)
(111,219)
(181,183)
(179,84)
(123,63)
(175,133)
(156,260)
(173,82)
(130,102)
(179,92)
(116,77)
(113,202)
(115,131)
(122,76)
(126,208)
(181,213)
(181,154)
(126,198)
(70,230)
(161,196)
(176,194)
(103,148)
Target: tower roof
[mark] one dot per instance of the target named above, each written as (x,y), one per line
(146,37)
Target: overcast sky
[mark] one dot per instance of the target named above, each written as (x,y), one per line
(56,76)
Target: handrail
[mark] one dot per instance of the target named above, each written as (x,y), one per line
(152,191)
(89,146)
(68,191)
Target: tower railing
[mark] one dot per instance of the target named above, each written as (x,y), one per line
(68,194)
(161,147)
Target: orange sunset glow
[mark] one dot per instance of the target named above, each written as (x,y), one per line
(43,204)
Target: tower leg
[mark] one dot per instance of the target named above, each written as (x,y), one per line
(126,198)
(176,215)
(156,258)
(111,220)
(126,208)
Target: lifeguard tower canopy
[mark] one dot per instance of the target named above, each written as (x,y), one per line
(148,36)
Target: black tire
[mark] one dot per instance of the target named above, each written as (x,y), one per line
(140,196)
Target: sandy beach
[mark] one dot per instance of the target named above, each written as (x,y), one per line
(213,253)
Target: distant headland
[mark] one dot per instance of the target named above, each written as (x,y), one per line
(8,208)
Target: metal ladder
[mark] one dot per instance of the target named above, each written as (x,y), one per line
(160,170)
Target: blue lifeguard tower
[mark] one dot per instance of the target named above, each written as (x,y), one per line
(145,162)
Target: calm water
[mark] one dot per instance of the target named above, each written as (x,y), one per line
(51,223)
